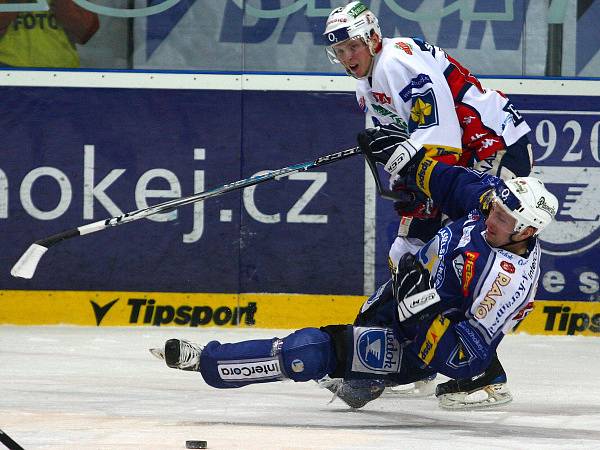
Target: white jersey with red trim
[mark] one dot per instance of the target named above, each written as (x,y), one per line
(418,85)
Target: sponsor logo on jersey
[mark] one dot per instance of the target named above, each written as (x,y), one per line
(377,350)
(489,301)
(407,48)
(249,370)
(468,272)
(458,263)
(424,111)
(381,111)
(416,83)
(382,98)
(435,332)
(466,236)
(445,235)
(423,174)
(508,267)
(487,143)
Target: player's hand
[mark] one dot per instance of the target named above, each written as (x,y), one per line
(381,141)
(412,289)
(387,145)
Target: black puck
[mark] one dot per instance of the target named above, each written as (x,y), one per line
(195,444)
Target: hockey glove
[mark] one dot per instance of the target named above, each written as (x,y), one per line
(412,202)
(412,290)
(387,145)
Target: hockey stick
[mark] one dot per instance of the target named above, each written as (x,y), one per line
(27,263)
(8,442)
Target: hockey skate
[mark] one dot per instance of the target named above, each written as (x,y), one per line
(482,391)
(179,354)
(354,393)
(418,389)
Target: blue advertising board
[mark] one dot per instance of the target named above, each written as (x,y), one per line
(70,156)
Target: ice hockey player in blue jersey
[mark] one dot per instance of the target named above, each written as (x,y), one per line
(444,310)
(428,96)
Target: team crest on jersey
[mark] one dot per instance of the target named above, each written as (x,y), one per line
(461,356)
(424,113)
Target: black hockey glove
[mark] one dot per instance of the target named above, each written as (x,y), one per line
(387,145)
(413,291)
(381,142)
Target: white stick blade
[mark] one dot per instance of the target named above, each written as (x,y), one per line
(26,265)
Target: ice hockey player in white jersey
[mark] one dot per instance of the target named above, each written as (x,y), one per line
(445,310)
(416,90)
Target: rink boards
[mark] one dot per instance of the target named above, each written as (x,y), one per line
(161,309)
(84,146)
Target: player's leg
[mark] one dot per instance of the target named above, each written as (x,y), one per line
(307,354)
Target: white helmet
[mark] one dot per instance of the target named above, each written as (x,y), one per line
(352,21)
(528,201)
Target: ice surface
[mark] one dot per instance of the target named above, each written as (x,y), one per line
(99,388)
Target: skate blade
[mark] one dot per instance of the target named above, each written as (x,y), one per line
(488,397)
(419,389)
(158,353)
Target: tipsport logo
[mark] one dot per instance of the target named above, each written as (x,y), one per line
(376,351)
(576,227)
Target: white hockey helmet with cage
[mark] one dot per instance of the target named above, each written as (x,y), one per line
(528,201)
(353,21)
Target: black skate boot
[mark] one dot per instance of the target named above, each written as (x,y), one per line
(179,354)
(482,391)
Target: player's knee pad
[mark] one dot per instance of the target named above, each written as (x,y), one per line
(307,354)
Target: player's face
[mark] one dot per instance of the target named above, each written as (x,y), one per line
(499,226)
(354,54)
